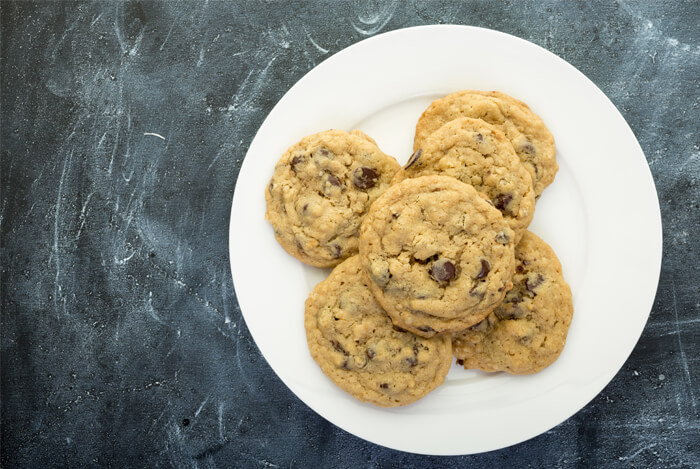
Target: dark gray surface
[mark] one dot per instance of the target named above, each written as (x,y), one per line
(122,341)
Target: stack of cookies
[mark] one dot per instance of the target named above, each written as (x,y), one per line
(432,260)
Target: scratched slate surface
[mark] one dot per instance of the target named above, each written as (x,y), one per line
(122,341)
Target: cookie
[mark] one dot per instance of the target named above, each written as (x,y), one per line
(438,255)
(527,332)
(358,348)
(479,154)
(531,139)
(320,192)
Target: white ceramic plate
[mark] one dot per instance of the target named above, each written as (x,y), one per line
(601,215)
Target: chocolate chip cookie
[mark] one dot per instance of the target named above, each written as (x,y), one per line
(356,345)
(320,192)
(527,332)
(479,154)
(531,139)
(438,255)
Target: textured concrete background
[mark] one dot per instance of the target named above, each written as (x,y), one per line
(122,341)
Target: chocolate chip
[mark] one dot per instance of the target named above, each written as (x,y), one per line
(338,347)
(502,200)
(324,152)
(460,362)
(509,311)
(384,385)
(442,270)
(473,291)
(394,216)
(502,238)
(412,361)
(365,178)
(398,329)
(434,257)
(528,148)
(414,157)
(485,269)
(425,329)
(334,181)
(303,209)
(479,137)
(526,339)
(370,353)
(531,284)
(519,269)
(296,161)
(514,297)
(336,251)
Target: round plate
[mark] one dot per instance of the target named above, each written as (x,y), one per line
(601,215)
